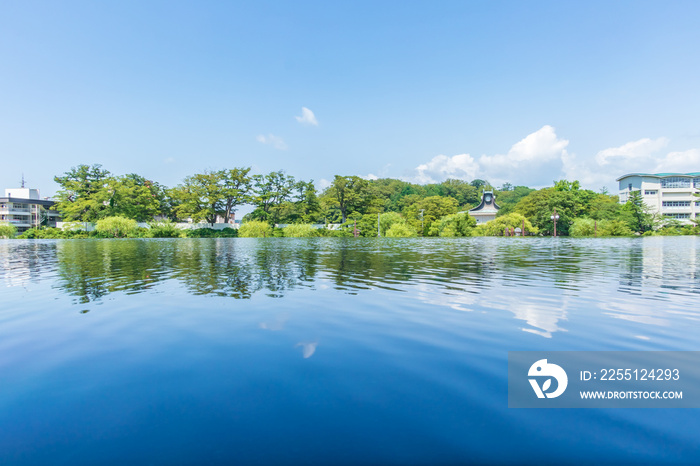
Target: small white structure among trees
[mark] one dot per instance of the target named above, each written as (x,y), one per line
(487,210)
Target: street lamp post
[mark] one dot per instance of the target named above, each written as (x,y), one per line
(555,217)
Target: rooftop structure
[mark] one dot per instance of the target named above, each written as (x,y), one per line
(670,195)
(487,210)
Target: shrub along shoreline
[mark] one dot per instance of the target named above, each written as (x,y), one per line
(391,225)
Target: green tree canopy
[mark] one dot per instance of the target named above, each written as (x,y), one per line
(510,221)
(205,196)
(236,185)
(641,219)
(508,199)
(199,197)
(133,196)
(433,208)
(566,197)
(270,192)
(350,194)
(460,224)
(83,195)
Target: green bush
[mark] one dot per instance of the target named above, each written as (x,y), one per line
(140,232)
(302,230)
(389,219)
(366,225)
(164,229)
(116,227)
(32,233)
(7,230)
(400,230)
(460,224)
(211,233)
(36,233)
(586,227)
(54,233)
(498,226)
(582,227)
(674,227)
(340,233)
(78,234)
(255,229)
(614,228)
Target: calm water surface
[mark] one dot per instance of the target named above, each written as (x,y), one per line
(330,350)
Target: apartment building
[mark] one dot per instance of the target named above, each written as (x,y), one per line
(23,208)
(668,194)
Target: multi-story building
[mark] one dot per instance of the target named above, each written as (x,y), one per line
(23,208)
(670,195)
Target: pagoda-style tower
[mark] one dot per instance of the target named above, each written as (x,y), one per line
(486,211)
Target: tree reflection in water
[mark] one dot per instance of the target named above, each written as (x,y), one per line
(239,268)
(536,279)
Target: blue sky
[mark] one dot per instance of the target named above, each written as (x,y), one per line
(519,92)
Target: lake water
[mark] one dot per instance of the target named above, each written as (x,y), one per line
(330,350)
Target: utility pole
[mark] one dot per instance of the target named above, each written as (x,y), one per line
(421,222)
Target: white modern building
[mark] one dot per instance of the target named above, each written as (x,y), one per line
(668,194)
(23,208)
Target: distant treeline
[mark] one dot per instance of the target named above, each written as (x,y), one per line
(90,193)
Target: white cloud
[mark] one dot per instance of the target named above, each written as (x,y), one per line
(276,324)
(542,157)
(640,156)
(681,162)
(274,141)
(441,167)
(632,152)
(535,160)
(323,184)
(370,176)
(307,348)
(307,117)
(542,145)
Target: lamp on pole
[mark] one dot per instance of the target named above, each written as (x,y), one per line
(555,217)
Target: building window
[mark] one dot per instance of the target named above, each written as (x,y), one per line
(679,216)
(696,182)
(675,182)
(676,203)
(649,193)
(629,186)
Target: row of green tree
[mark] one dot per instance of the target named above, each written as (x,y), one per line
(90,193)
